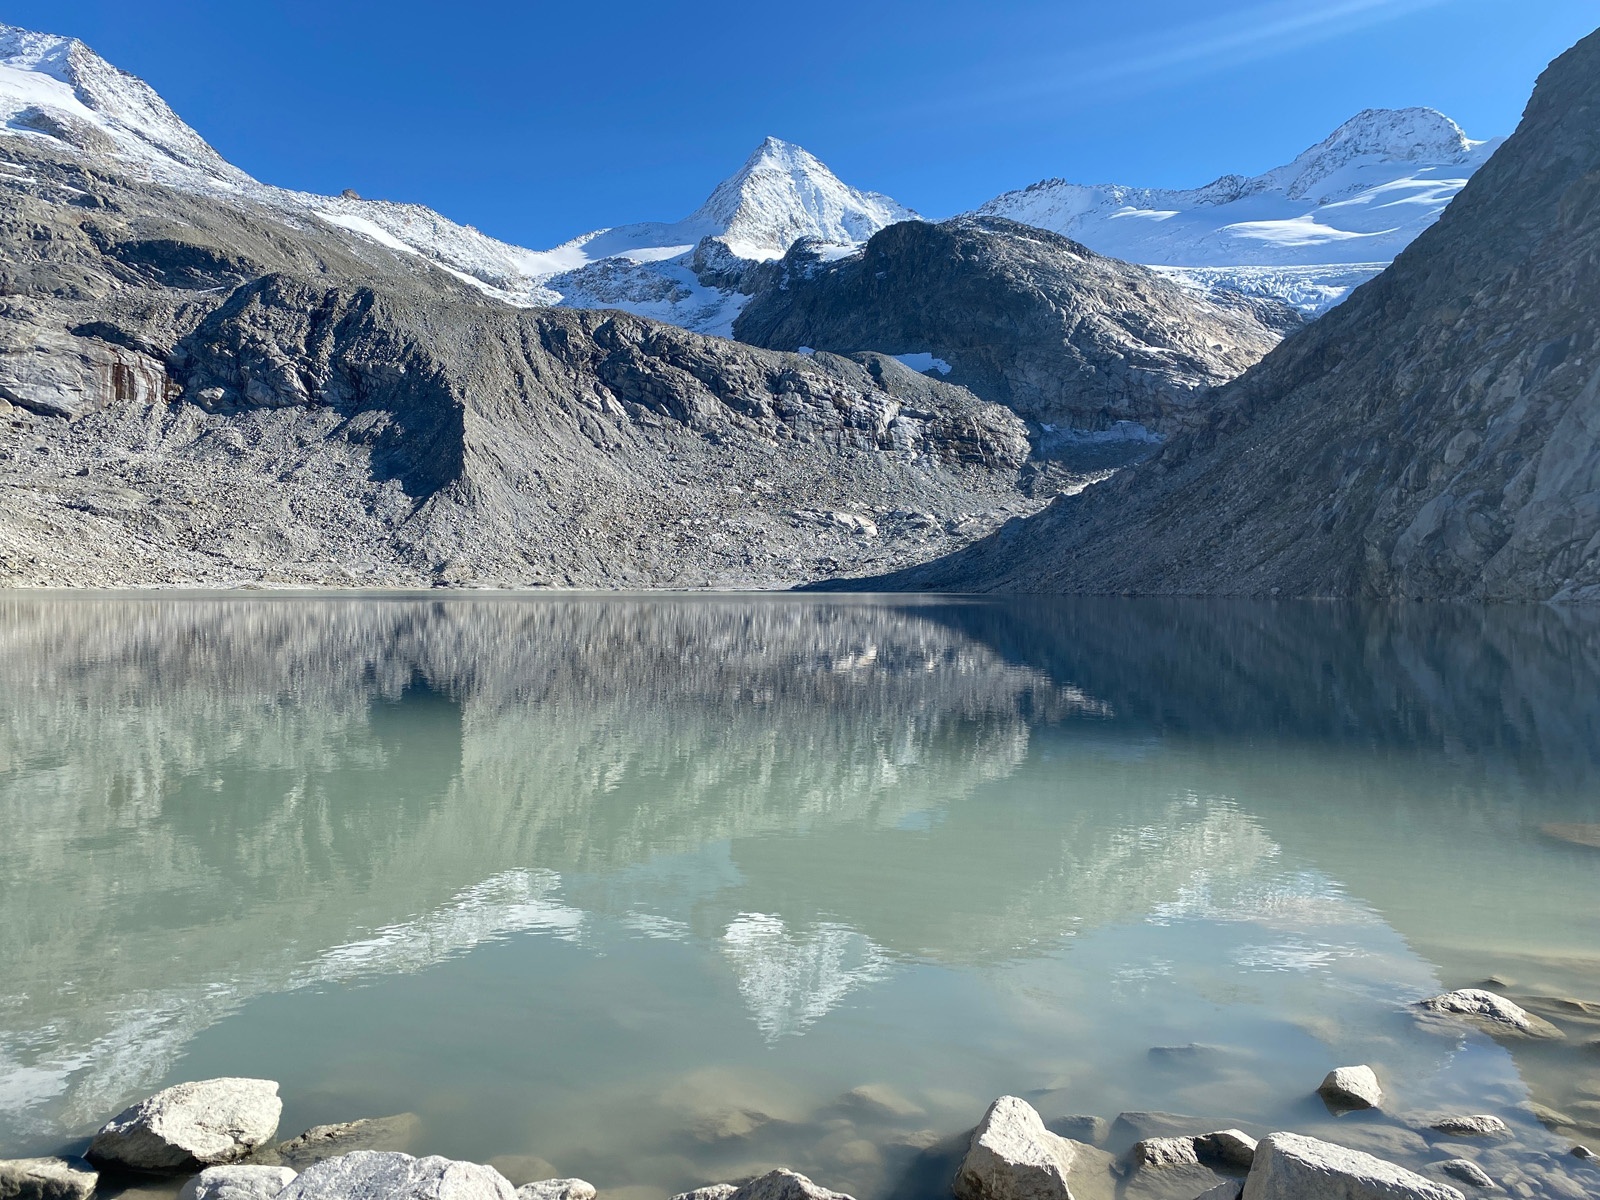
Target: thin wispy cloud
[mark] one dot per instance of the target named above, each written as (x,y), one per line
(1183,53)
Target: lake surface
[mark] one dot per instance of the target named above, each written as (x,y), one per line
(642,887)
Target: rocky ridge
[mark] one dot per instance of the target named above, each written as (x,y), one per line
(1436,436)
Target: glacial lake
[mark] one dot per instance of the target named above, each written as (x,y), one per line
(643,887)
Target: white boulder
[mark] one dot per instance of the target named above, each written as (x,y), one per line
(557,1189)
(207,1122)
(1490,1012)
(237,1182)
(1351,1088)
(1012,1156)
(1291,1167)
(391,1175)
(712,1191)
(784,1185)
(1230,1147)
(46,1179)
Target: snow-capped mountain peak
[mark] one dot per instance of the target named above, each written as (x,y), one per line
(784,193)
(57,87)
(1305,232)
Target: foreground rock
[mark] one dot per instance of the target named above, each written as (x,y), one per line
(1227,1147)
(1351,1088)
(1291,1167)
(1490,1012)
(46,1179)
(783,1185)
(390,1175)
(1012,1156)
(192,1124)
(557,1189)
(238,1182)
(1481,1125)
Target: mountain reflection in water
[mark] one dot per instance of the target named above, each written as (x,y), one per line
(857,822)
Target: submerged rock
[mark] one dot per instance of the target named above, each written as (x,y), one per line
(46,1179)
(879,1100)
(1350,1088)
(321,1142)
(1091,1131)
(238,1182)
(1136,1126)
(390,1175)
(1482,1125)
(1291,1167)
(557,1189)
(1165,1152)
(1467,1171)
(1490,1012)
(207,1122)
(1012,1156)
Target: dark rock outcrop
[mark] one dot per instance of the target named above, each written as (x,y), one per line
(1024,317)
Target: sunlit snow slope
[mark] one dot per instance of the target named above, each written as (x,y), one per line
(1306,232)
(685,271)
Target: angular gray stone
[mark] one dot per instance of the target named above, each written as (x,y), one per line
(1165,1152)
(784,1185)
(1584,1153)
(1467,1171)
(1228,1147)
(46,1179)
(390,1175)
(1012,1156)
(207,1122)
(1481,1125)
(712,1191)
(238,1182)
(1350,1088)
(557,1189)
(1230,1189)
(1490,1012)
(1291,1167)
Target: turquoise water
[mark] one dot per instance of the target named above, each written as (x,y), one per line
(640,888)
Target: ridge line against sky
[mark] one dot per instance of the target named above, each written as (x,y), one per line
(535,122)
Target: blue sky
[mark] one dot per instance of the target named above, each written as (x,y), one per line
(537,121)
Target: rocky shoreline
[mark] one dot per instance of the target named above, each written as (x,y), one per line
(218,1135)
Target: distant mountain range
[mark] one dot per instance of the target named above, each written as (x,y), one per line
(1306,232)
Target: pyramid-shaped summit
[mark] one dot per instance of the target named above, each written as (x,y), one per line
(783,193)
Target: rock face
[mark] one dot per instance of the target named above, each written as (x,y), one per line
(1435,436)
(1165,1152)
(557,1189)
(237,1182)
(211,1121)
(1291,1167)
(1350,1088)
(1012,1156)
(1024,317)
(390,1175)
(1492,1013)
(46,1179)
(712,1191)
